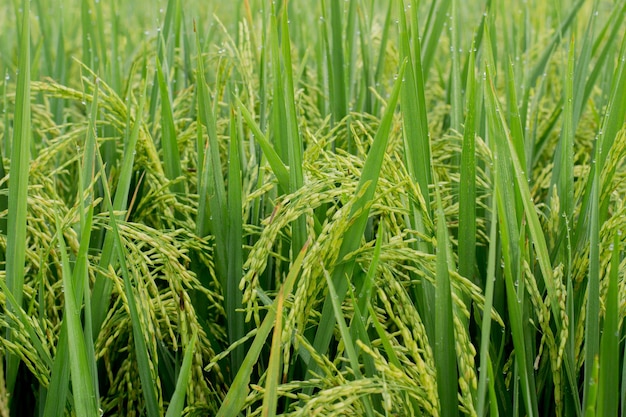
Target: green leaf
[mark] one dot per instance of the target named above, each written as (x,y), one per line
(103,286)
(270,399)
(169,142)
(236,396)
(445,344)
(18,185)
(80,370)
(177,402)
(144,365)
(232,293)
(485,336)
(360,210)
(467,189)
(608,382)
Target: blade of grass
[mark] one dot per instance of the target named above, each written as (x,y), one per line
(103,286)
(623,386)
(294,140)
(517,130)
(493,400)
(232,294)
(485,335)
(365,293)
(455,88)
(432,32)
(169,143)
(7,125)
(272,380)
(348,342)
(350,67)
(81,269)
(382,52)
(602,57)
(278,122)
(563,174)
(612,121)
(534,226)
(166,32)
(46,39)
(563,177)
(89,44)
(540,67)
(60,74)
(236,396)
(417,153)
(418,144)
(146,377)
(506,195)
(593,212)
(337,70)
(60,376)
(361,304)
(358,331)
(467,189)
(592,321)
(365,96)
(4,198)
(582,67)
(58,389)
(445,344)
(82,381)
(608,382)
(177,403)
(592,398)
(352,238)
(278,167)
(18,185)
(211,187)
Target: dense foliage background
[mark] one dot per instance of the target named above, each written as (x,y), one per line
(361,207)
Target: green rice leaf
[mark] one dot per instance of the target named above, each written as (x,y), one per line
(467,189)
(349,345)
(432,32)
(445,344)
(338,90)
(145,368)
(101,293)
(270,399)
(169,143)
(80,370)
(608,382)
(178,398)
(277,165)
(18,185)
(294,139)
(352,238)
(236,396)
(232,293)
(485,336)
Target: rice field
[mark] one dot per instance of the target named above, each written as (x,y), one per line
(294,208)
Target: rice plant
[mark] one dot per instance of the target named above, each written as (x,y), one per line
(264,208)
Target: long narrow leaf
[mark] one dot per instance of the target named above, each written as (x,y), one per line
(18,184)
(177,402)
(352,238)
(82,380)
(236,396)
(232,293)
(141,350)
(445,345)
